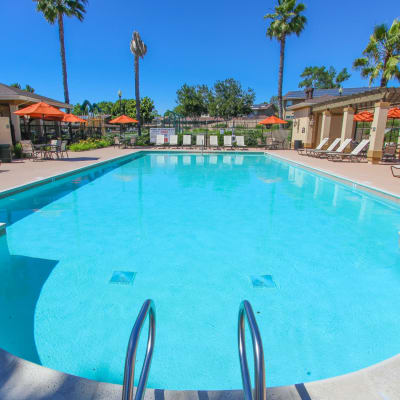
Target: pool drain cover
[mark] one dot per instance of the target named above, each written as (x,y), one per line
(123,277)
(262,281)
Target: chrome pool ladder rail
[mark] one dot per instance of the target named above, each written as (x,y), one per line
(260,393)
(129,374)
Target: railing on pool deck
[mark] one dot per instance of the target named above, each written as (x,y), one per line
(129,374)
(246,312)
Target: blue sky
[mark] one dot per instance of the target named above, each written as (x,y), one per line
(188,42)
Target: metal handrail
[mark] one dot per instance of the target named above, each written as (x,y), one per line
(260,393)
(129,374)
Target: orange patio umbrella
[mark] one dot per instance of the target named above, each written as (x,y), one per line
(42,111)
(364,116)
(394,113)
(123,119)
(272,120)
(73,118)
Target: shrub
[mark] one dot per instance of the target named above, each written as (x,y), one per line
(90,144)
(143,140)
(17,150)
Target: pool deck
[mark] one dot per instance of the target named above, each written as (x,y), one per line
(22,380)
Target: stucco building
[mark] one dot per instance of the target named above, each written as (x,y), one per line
(332,117)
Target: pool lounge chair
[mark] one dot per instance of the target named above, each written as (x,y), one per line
(319,153)
(160,140)
(227,141)
(327,153)
(214,141)
(354,155)
(173,141)
(240,142)
(187,141)
(199,140)
(322,143)
(397,169)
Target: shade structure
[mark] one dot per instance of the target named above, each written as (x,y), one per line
(123,119)
(42,111)
(272,120)
(394,113)
(73,118)
(364,116)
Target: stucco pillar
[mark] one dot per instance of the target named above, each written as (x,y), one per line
(377,135)
(347,124)
(326,124)
(15,122)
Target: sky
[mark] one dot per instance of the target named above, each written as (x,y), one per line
(188,42)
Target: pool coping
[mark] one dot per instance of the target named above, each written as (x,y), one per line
(341,179)
(21,379)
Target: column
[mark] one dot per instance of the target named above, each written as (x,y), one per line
(15,122)
(377,135)
(326,124)
(347,125)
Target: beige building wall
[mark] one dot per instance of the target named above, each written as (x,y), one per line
(336,126)
(301,127)
(5,131)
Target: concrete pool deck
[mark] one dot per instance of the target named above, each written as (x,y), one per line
(23,380)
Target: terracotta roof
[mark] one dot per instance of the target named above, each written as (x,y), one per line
(12,93)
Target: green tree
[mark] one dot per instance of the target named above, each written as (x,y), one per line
(382,55)
(55,10)
(322,78)
(16,85)
(147,110)
(229,100)
(105,107)
(29,88)
(286,20)
(193,100)
(139,50)
(77,109)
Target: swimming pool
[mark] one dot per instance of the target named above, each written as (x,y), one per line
(319,261)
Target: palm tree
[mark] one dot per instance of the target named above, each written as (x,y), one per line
(382,54)
(285,21)
(139,50)
(54,10)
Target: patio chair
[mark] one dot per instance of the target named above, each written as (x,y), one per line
(160,140)
(240,142)
(173,141)
(199,140)
(187,141)
(132,141)
(28,150)
(54,148)
(260,143)
(321,153)
(397,169)
(354,155)
(214,141)
(63,149)
(322,143)
(389,152)
(227,141)
(117,141)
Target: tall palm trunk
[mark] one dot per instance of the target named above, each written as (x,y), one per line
(280,77)
(384,81)
(63,61)
(137,94)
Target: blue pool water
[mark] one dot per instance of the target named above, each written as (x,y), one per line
(319,262)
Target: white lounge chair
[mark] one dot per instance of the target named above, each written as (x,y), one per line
(355,154)
(160,140)
(240,142)
(214,141)
(322,143)
(227,141)
(200,140)
(187,140)
(318,153)
(173,141)
(339,150)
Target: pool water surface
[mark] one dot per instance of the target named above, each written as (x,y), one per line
(319,262)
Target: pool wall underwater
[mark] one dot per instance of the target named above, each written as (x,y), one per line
(18,376)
